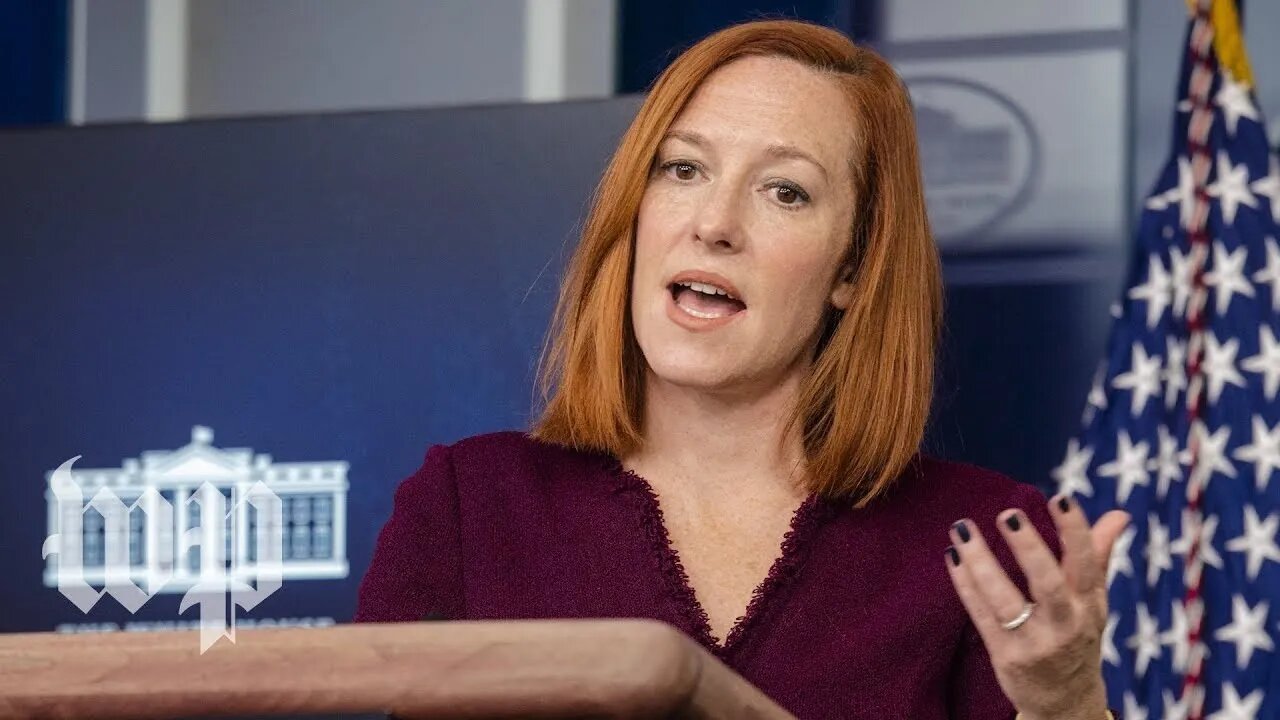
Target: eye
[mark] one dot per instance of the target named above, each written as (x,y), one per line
(789,194)
(683,170)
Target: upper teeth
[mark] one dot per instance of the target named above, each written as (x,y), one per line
(708,289)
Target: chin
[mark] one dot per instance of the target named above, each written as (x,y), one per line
(700,378)
(692,372)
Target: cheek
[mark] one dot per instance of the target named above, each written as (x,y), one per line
(800,279)
(657,228)
(646,239)
(653,219)
(649,249)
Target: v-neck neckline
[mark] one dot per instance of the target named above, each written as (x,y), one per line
(806,518)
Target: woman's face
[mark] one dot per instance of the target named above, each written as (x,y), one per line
(745,220)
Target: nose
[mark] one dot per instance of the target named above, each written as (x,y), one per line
(719,217)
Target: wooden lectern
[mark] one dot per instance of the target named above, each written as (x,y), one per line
(623,668)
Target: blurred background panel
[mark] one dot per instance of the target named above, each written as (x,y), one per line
(908,20)
(83,61)
(251,58)
(1010,157)
(1102,83)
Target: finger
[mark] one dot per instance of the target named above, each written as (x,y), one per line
(993,636)
(1079,560)
(1003,599)
(1104,535)
(1044,575)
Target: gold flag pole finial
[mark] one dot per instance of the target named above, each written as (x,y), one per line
(1228,38)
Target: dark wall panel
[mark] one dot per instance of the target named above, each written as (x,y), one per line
(33,62)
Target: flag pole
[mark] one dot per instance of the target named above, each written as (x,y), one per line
(1201,48)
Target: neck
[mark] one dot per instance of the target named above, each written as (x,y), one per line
(716,445)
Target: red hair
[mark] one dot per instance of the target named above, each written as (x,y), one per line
(862,408)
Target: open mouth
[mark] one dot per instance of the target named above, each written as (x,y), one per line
(703,300)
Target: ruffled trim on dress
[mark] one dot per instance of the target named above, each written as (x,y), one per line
(808,517)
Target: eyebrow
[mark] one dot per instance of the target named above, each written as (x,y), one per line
(778,150)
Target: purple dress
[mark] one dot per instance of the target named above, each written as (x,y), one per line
(856,619)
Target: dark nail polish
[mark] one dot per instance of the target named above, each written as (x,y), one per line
(1012,522)
(962,530)
(1064,503)
(953,555)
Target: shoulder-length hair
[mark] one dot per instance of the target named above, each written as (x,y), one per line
(862,408)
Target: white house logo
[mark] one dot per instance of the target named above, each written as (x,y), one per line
(979,153)
(199,520)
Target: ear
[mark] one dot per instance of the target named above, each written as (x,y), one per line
(842,291)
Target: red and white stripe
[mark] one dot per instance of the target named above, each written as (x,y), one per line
(1202,74)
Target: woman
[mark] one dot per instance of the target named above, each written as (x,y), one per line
(737,383)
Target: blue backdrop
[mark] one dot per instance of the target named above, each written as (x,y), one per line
(652,32)
(33,61)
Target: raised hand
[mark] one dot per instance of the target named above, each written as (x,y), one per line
(1047,651)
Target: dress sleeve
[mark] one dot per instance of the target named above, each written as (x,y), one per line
(416,569)
(974,692)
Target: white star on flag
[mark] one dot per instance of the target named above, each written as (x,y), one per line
(1175,370)
(1167,463)
(1142,380)
(1175,708)
(1258,541)
(1097,395)
(1176,637)
(1072,475)
(1247,630)
(1180,271)
(1236,708)
(1263,452)
(1233,98)
(1156,292)
(1266,362)
(1144,641)
(1097,398)
(1157,551)
(1132,710)
(1270,273)
(1213,453)
(1269,187)
(1109,653)
(1220,365)
(1232,187)
(1130,466)
(1227,276)
(1184,193)
(1121,563)
(1204,547)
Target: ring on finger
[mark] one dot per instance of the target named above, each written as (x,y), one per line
(1023,617)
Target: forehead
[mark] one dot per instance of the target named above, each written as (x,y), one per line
(767,100)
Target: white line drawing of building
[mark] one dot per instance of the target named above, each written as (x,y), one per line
(313,496)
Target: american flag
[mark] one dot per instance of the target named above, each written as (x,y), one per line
(1182,426)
